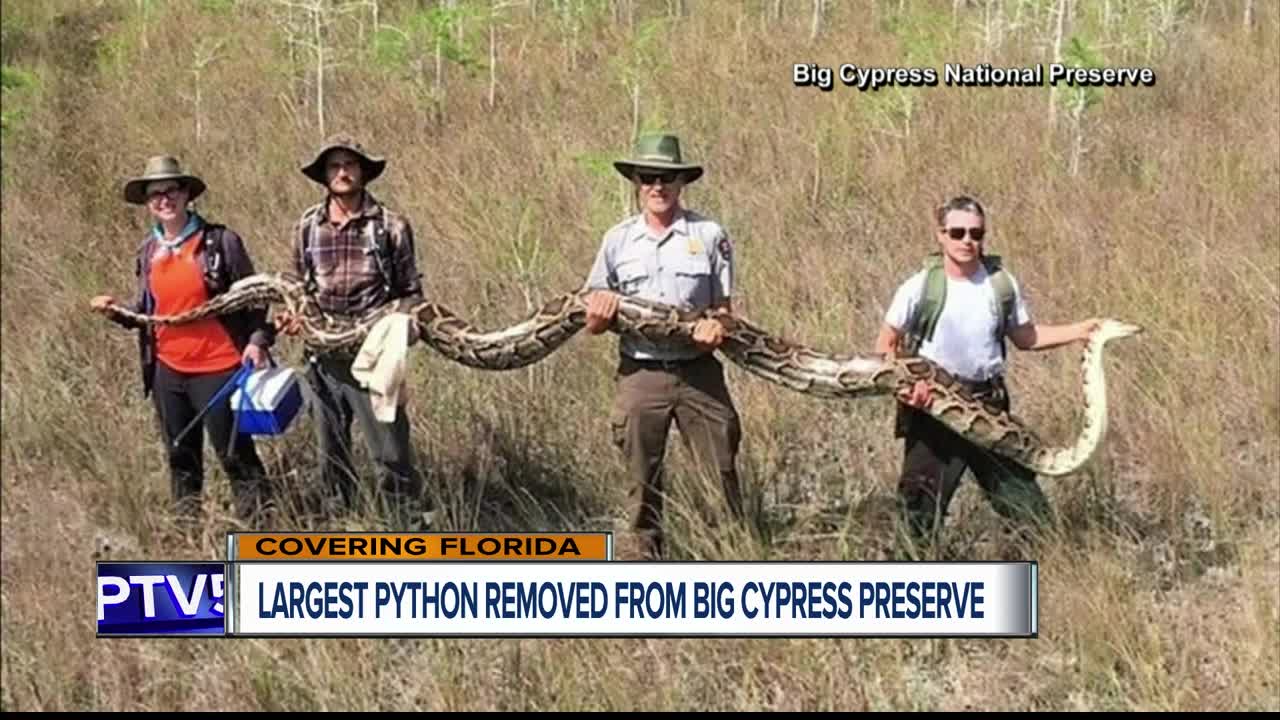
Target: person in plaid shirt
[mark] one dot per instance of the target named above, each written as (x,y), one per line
(356,255)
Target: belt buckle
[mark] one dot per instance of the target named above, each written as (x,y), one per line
(988,388)
(658,364)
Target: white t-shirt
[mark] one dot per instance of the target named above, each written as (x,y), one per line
(964,340)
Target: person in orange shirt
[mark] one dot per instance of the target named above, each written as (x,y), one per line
(183,262)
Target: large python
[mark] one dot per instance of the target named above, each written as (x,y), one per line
(785,363)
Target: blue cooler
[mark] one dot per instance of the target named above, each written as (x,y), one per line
(266,401)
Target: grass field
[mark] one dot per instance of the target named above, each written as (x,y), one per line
(1155,205)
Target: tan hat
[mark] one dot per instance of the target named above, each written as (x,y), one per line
(161,167)
(372,164)
(658,152)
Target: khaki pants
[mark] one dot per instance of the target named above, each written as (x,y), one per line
(694,395)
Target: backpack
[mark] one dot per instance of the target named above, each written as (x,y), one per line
(377,243)
(924,320)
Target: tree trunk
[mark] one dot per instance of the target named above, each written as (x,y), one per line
(493,61)
(988,35)
(1077,147)
(457,22)
(817,173)
(439,89)
(199,127)
(1057,58)
(316,11)
(142,8)
(635,110)
(573,48)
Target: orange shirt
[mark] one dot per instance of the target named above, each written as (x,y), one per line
(177,284)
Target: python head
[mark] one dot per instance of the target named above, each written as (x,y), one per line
(1110,330)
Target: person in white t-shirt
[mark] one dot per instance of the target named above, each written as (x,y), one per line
(957,313)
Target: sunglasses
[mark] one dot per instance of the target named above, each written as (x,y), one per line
(667,178)
(958,233)
(171,193)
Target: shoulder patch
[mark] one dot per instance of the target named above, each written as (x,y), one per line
(725,247)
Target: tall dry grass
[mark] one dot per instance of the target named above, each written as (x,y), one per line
(1160,589)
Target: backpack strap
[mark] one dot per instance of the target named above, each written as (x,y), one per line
(215,260)
(379,244)
(310,225)
(933,298)
(142,269)
(928,308)
(1006,298)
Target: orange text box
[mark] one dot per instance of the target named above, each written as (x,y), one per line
(420,546)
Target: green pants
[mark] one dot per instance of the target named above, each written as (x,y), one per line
(339,399)
(934,460)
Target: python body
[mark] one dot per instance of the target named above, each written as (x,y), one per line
(788,364)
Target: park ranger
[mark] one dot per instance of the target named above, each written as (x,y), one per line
(675,256)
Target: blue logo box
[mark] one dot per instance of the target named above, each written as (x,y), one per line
(161,598)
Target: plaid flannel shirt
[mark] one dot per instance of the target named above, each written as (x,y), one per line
(348,281)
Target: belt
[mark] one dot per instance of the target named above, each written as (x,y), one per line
(627,362)
(336,355)
(993,388)
(978,385)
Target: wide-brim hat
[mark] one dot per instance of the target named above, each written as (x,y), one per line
(659,152)
(372,164)
(161,167)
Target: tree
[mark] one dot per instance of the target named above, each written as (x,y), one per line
(1080,98)
(307,24)
(495,19)
(434,36)
(203,54)
(1057,58)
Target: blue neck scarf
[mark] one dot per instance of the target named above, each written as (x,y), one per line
(167,247)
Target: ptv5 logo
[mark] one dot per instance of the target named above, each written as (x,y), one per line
(161,598)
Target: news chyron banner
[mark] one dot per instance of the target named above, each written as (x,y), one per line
(161,598)
(419,547)
(179,599)
(552,585)
(627,599)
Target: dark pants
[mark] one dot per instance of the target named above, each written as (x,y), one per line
(179,397)
(650,397)
(339,398)
(935,458)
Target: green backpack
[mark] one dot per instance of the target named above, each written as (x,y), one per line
(924,321)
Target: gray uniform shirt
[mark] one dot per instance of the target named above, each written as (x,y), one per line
(690,267)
